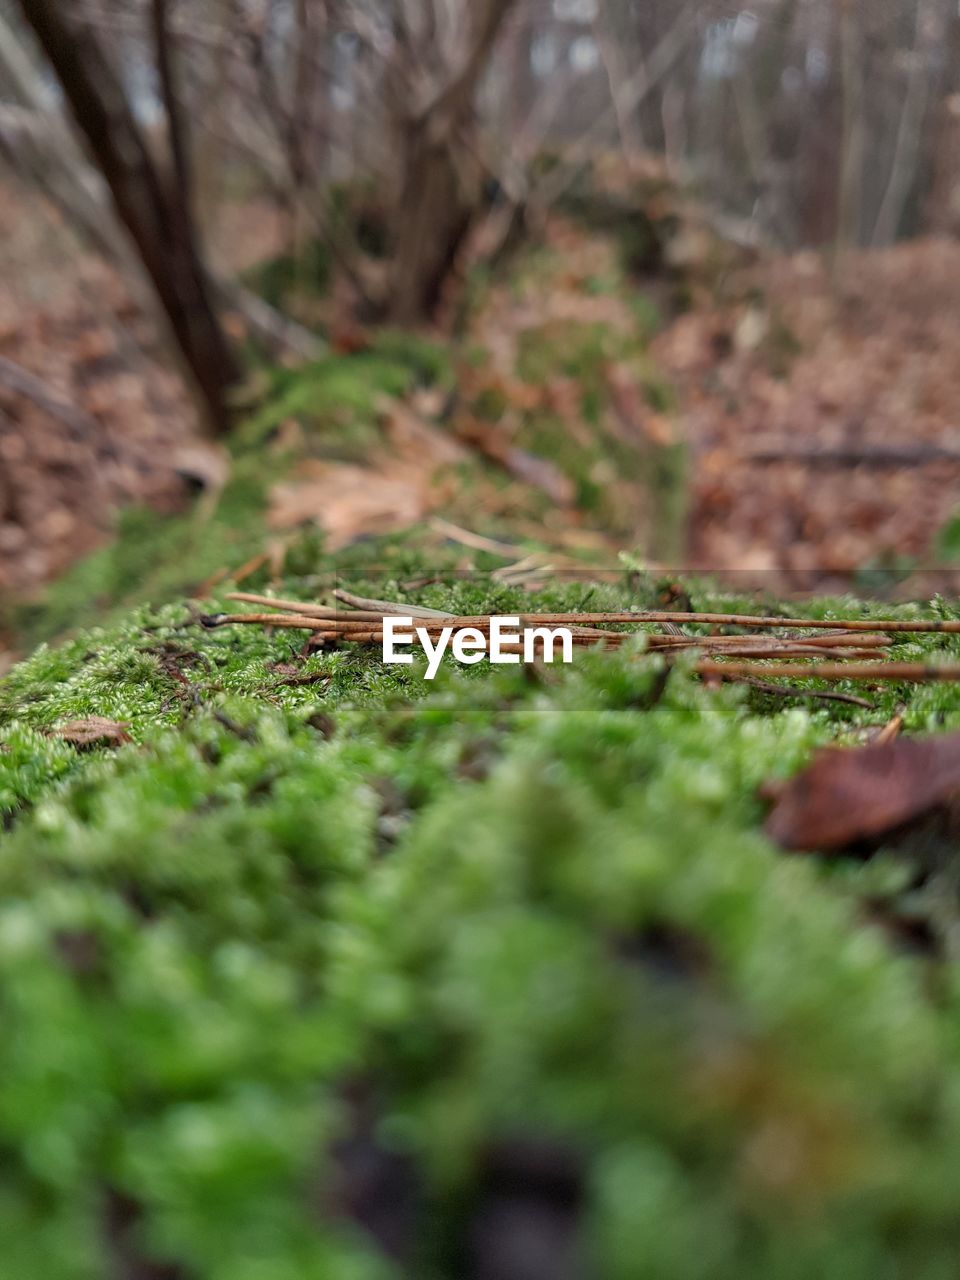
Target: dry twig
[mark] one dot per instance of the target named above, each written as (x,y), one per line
(849,649)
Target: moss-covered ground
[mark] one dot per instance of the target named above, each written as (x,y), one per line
(361,976)
(331,973)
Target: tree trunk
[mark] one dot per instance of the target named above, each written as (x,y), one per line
(443,178)
(442,187)
(150,204)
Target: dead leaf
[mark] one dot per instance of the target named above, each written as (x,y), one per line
(349,502)
(415,440)
(93,731)
(401,484)
(849,794)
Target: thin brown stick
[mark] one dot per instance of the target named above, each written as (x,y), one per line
(750,645)
(833,640)
(758,644)
(889,731)
(367,628)
(911,671)
(946,626)
(212,621)
(793,691)
(855,639)
(874,625)
(768,652)
(849,627)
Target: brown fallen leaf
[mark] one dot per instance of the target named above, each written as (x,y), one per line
(93,731)
(848,794)
(414,440)
(350,501)
(399,485)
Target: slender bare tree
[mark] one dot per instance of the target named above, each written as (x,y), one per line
(441,166)
(152,198)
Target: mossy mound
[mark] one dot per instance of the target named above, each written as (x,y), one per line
(331,972)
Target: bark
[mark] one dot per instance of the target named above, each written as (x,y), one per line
(442,185)
(437,204)
(149,203)
(34,141)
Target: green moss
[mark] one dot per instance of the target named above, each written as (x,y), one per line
(628,481)
(292,939)
(647,315)
(309,271)
(948,541)
(334,392)
(569,348)
(661,395)
(428,362)
(491,404)
(356,976)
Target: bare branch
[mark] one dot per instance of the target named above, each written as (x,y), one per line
(451,100)
(639,86)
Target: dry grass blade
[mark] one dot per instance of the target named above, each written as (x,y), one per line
(300,607)
(389,607)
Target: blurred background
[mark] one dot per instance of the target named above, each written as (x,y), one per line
(565,277)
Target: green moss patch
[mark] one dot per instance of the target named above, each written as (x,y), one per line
(333,973)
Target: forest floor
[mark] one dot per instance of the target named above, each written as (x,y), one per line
(312,968)
(774,421)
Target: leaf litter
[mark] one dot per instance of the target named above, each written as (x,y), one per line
(849,794)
